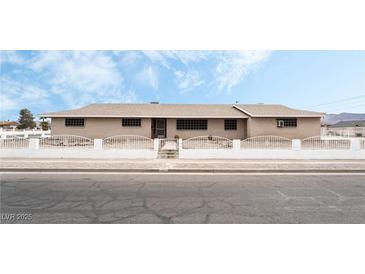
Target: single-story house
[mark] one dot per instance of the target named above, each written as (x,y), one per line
(8,124)
(354,128)
(184,121)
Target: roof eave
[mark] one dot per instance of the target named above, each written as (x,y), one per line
(288,116)
(137,116)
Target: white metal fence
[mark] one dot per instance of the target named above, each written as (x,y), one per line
(128,142)
(14,142)
(316,142)
(66,141)
(207,142)
(266,142)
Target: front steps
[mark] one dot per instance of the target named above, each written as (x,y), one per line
(168,149)
(168,154)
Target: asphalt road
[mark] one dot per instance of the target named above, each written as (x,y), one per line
(182,198)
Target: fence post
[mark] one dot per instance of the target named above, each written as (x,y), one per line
(3,135)
(26,134)
(34,143)
(180,144)
(296,144)
(98,144)
(355,144)
(236,144)
(156,143)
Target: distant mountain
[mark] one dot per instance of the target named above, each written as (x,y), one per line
(330,119)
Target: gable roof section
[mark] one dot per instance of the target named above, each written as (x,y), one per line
(354,123)
(152,110)
(268,110)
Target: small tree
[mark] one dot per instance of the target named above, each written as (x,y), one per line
(26,119)
(44,125)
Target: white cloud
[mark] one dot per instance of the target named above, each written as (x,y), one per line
(148,77)
(88,71)
(229,68)
(77,78)
(8,103)
(81,77)
(11,57)
(125,97)
(159,57)
(186,57)
(130,58)
(15,95)
(188,80)
(233,66)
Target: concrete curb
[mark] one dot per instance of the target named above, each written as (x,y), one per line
(182,170)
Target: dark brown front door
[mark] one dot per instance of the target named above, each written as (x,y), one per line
(161,128)
(158,128)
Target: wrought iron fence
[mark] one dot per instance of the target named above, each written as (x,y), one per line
(13,142)
(128,142)
(207,142)
(316,142)
(266,142)
(66,141)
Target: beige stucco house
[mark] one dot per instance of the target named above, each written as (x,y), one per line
(155,120)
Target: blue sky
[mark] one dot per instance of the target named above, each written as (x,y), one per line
(56,80)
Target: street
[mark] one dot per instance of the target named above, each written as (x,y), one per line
(182,198)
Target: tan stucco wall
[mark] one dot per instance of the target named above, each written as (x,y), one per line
(101,128)
(106,127)
(306,127)
(215,128)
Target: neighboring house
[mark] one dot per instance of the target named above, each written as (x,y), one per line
(8,124)
(354,128)
(186,120)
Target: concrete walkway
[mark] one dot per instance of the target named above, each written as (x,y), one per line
(169,145)
(179,165)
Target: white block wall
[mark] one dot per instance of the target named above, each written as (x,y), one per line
(295,153)
(97,152)
(79,153)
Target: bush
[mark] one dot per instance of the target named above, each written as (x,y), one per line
(44,125)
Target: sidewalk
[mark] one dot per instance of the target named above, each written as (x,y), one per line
(179,165)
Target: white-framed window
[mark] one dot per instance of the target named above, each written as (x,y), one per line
(131,122)
(74,122)
(286,122)
(230,124)
(191,124)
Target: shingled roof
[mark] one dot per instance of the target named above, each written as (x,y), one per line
(269,110)
(183,111)
(152,110)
